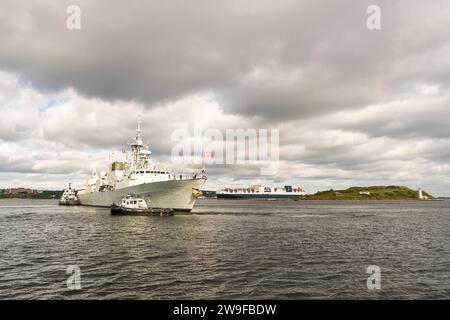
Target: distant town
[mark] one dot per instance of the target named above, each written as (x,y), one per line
(28,193)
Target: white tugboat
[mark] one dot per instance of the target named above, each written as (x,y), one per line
(134,205)
(139,175)
(69,197)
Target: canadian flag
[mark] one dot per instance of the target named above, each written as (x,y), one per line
(209,155)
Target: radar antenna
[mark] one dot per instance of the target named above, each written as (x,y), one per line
(139,126)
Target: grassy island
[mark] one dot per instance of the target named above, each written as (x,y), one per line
(370,193)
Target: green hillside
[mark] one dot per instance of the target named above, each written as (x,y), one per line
(374,193)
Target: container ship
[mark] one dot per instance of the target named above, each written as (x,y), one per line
(140,176)
(261,192)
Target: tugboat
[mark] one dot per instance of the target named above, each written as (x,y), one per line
(134,205)
(69,197)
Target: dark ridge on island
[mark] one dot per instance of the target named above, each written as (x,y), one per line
(371,193)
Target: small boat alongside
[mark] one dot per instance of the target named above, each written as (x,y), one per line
(69,197)
(134,205)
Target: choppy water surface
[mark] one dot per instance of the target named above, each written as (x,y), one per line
(227,249)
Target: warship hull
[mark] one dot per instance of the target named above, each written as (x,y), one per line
(174,194)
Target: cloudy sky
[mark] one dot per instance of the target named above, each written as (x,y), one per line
(354,106)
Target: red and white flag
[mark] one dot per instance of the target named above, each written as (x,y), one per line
(209,155)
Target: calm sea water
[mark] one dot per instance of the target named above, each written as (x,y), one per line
(227,249)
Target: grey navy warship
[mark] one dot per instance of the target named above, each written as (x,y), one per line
(138,175)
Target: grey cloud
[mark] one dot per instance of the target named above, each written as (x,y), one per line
(160,51)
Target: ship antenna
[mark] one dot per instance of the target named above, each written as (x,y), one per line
(139,125)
